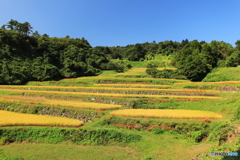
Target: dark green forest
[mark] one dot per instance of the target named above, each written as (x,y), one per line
(26,55)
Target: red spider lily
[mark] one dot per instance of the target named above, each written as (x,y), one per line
(135,127)
(167,128)
(207,119)
(97,115)
(101,111)
(112,115)
(147,117)
(149,129)
(79,127)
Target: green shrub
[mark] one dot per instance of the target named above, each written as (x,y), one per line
(158,130)
(165,73)
(198,135)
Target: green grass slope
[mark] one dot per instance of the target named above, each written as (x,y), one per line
(223,74)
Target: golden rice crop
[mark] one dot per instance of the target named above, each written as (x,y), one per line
(117,89)
(166,113)
(108,94)
(62,103)
(19,119)
(208,83)
(108,78)
(134,85)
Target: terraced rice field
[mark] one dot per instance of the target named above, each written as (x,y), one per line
(19,119)
(139,79)
(133,85)
(113,88)
(107,94)
(208,83)
(166,113)
(59,103)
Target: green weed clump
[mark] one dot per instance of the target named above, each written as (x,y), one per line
(58,135)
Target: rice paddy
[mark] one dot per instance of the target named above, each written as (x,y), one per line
(107,94)
(59,103)
(139,79)
(134,85)
(166,113)
(115,89)
(19,119)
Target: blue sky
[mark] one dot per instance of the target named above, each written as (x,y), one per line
(123,22)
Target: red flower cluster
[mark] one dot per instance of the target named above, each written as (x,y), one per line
(97,115)
(101,111)
(125,126)
(79,127)
(207,119)
(150,128)
(191,100)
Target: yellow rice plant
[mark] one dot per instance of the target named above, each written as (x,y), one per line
(208,83)
(166,113)
(62,103)
(108,78)
(134,85)
(108,94)
(120,89)
(19,119)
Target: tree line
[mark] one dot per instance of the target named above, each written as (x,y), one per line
(25,55)
(193,59)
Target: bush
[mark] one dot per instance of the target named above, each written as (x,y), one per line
(221,63)
(152,65)
(158,130)
(165,73)
(198,135)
